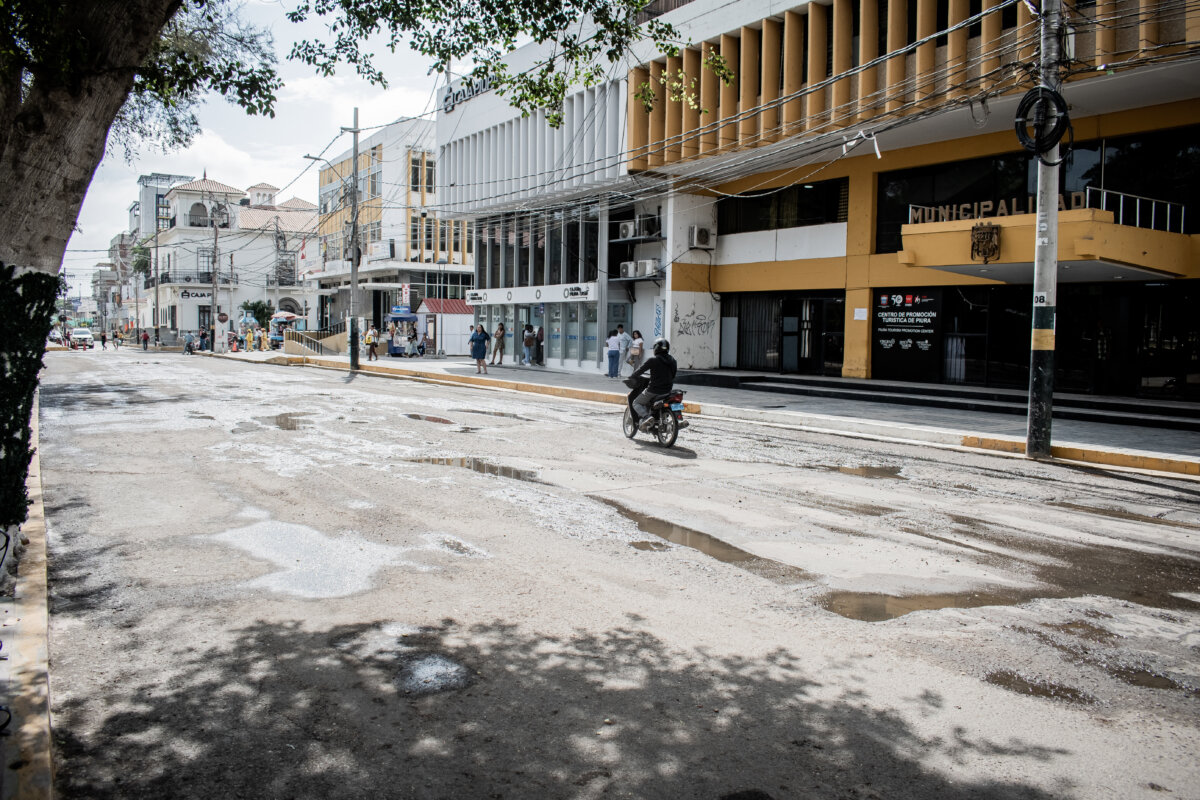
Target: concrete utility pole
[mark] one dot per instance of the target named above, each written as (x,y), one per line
(216,265)
(157,275)
(1045,261)
(354,247)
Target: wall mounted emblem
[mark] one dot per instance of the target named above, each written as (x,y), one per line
(985,242)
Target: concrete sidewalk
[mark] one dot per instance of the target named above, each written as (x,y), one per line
(1090,442)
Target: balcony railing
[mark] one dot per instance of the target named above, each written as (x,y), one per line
(1139,212)
(191,278)
(656,8)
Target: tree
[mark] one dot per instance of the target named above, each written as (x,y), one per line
(77,77)
(141,260)
(261,310)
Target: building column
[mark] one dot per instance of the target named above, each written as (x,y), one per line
(727,136)
(818,42)
(868,51)
(658,117)
(926,53)
(772,45)
(749,75)
(856,341)
(691,115)
(710,99)
(897,37)
(843,109)
(793,71)
(674,112)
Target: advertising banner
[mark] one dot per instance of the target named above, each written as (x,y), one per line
(906,342)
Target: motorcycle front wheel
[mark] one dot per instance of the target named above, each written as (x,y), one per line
(668,428)
(628,425)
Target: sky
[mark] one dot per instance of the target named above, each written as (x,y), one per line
(241,150)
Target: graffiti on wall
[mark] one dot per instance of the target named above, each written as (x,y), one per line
(693,324)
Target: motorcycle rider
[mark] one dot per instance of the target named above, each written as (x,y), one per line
(662,368)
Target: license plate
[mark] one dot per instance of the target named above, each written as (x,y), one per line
(677,406)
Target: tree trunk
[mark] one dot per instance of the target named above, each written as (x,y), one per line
(54,121)
(54,139)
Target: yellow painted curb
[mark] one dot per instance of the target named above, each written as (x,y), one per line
(1087,455)
(27,759)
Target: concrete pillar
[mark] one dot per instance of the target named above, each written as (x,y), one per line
(843,108)
(897,37)
(709,103)
(818,43)
(793,70)
(673,111)
(658,117)
(691,114)
(727,135)
(772,47)
(749,75)
(989,44)
(868,51)
(956,50)
(926,53)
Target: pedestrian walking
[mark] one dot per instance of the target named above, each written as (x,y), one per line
(372,338)
(103,340)
(145,340)
(541,346)
(116,340)
(626,341)
(637,349)
(614,353)
(529,342)
(498,345)
(479,348)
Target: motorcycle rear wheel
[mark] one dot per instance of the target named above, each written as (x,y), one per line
(668,428)
(628,425)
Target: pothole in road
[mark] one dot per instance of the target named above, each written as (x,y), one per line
(291,421)
(507,414)
(481,466)
(772,570)
(1060,569)
(431,673)
(874,473)
(427,418)
(1006,679)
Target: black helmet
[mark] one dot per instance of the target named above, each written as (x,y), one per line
(661,345)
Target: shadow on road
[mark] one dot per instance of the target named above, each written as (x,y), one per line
(489,712)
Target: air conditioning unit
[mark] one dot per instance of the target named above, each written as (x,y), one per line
(627,230)
(628,269)
(700,238)
(647,267)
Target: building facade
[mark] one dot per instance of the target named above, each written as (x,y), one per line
(256,250)
(409,250)
(854,201)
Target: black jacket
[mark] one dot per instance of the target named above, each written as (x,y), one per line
(662,373)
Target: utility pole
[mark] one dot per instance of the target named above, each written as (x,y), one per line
(157,276)
(1045,255)
(354,247)
(216,265)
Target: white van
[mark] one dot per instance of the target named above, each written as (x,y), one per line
(82,338)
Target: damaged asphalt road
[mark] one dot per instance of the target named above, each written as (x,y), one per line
(266,582)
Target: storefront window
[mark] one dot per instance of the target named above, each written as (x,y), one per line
(554,332)
(588,333)
(591,248)
(572,331)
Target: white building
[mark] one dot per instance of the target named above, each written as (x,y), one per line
(255,248)
(409,251)
(854,202)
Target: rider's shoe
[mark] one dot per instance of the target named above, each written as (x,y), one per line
(646,424)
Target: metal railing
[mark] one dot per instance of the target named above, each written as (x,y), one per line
(196,278)
(1137,211)
(311,341)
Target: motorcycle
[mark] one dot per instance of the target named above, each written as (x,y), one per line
(666,411)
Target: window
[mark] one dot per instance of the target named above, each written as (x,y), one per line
(793,206)
(373,189)
(469,238)
(429,223)
(163,212)
(444,236)
(430,172)
(204,259)
(415,179)
(414,231)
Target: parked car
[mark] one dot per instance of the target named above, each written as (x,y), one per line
(82,338)
(55,336)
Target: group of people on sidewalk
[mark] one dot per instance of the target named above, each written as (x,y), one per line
(403,341)
(624,349)
(532,347)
